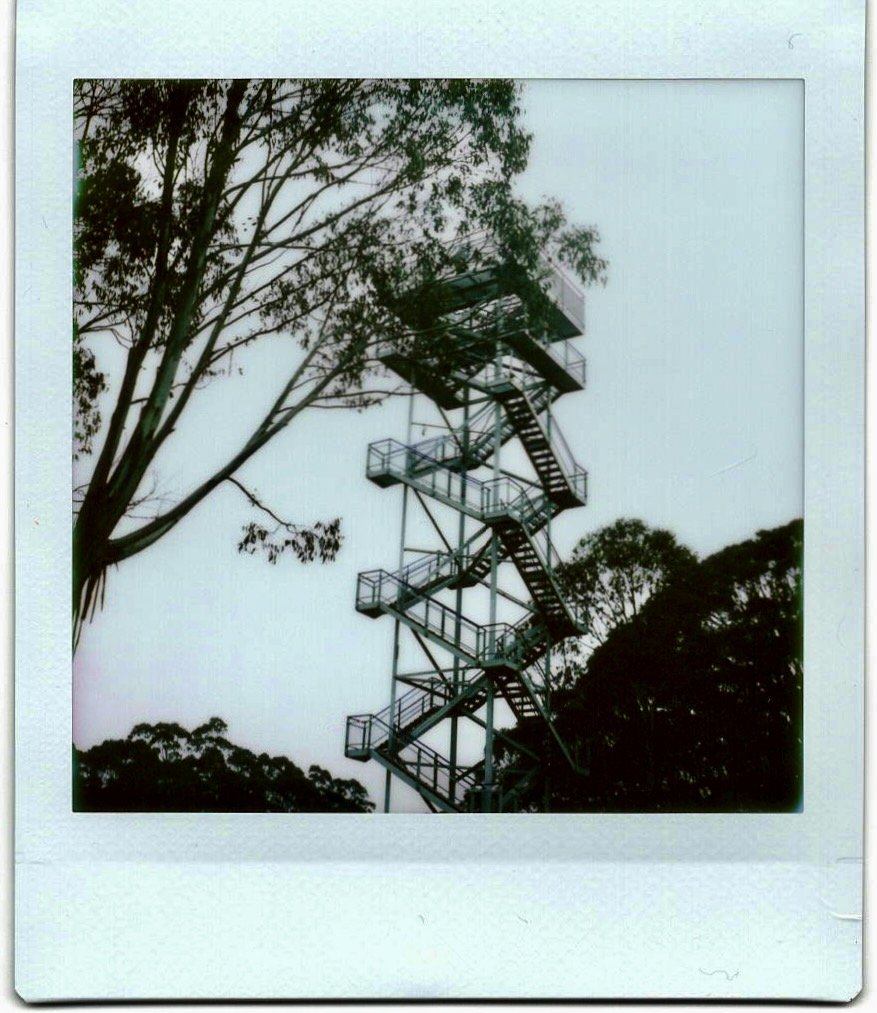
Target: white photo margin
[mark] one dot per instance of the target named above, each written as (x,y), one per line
(318,906)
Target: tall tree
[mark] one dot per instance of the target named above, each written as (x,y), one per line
(213,215)
(610,575)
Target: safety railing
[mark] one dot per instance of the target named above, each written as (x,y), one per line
(505,314)
(487,500)
(433,570)
(438,450)
(403,589)
(437,774)
(508,368)
(575,475)
(481,248)
(417,704)
(522,643)
(448,449)
(473,355)
(373,731)
(528,640)
(566,296)
(570,360)
(474,259)
(508,311)
(437,347)
(505,371)
(549,560)
(425,765)
(358,735)
(407,710)
(432,567)
(479,643)
(424,576)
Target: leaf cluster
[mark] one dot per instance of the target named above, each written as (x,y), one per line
(320,541)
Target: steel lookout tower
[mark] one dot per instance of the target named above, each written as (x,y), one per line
(490,379)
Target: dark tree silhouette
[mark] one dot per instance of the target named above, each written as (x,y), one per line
(695,702)
(212,216)
(165,768)
(614,571)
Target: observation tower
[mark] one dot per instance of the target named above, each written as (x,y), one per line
(489,377)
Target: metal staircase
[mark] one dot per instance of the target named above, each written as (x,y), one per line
(485,360)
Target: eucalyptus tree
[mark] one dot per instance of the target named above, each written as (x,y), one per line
(213,216)
(611,574)
(614,571)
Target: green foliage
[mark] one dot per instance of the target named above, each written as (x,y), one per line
(693,702)
(165,768)
(612,573)
(213,214)
(320,541)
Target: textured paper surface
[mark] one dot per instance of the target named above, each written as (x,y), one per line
(580,906)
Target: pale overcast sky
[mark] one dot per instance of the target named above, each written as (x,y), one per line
(692,421)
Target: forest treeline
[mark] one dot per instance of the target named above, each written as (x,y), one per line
(689,694)
(165,768)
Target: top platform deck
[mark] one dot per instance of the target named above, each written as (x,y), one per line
(491,278)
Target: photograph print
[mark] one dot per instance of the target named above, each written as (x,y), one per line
(437,446)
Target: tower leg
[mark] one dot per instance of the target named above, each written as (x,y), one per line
(487,789)
(387,785)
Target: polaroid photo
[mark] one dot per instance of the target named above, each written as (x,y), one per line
(471,425)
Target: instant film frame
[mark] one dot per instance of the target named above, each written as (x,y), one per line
(663,906)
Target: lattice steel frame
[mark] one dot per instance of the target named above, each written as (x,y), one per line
(503,378)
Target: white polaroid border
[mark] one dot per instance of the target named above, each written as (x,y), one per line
(320,906)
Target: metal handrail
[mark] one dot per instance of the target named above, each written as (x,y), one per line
(566,293)
(430,567)
(483,644)
(570,359)
(426,765)
(488,498)
(412,582)
(419,702)
(448,449)
(478,642)
(428,455)
(470,351)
